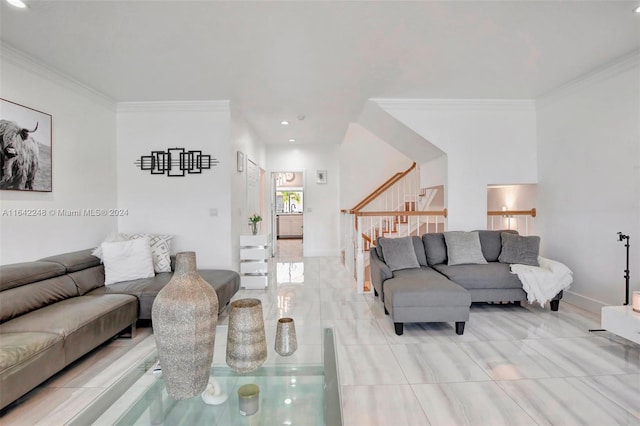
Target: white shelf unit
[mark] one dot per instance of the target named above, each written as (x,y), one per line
(255,251)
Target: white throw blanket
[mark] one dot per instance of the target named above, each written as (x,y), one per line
(543,282)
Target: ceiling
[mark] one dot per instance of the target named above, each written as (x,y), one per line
(324,59)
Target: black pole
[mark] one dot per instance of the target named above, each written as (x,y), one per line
(621,237)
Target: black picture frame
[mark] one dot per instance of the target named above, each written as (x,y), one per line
(26,151)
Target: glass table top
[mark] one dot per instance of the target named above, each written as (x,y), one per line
(289,395)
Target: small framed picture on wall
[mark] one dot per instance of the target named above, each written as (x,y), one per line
(321,176)
(240,161)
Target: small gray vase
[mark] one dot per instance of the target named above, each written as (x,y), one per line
(246,342)
(286,339)
(185,315)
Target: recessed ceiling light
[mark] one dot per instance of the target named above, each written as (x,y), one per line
(292,140)
(284,122)
(17,3)
(637,9)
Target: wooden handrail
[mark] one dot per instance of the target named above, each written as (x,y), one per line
(367,238)
(531,212)
(405,213)
(369,198)
(397,213)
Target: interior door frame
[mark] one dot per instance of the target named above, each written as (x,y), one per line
(272,203)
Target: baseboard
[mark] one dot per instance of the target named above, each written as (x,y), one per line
(584,302)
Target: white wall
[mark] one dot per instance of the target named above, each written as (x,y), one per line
(589,162)
(360,171)
(180,206)
(322,201)
(486,142)
(434,173)
(84,156)
(245,140)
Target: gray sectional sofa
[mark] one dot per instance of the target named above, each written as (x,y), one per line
(57,309)
(433,290)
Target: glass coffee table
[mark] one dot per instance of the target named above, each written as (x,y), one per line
(289,395)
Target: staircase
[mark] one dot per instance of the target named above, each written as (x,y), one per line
(395,209)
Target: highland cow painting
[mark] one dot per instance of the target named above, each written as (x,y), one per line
(25,148)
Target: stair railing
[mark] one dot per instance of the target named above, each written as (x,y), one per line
(391,210)
(519,220)
(406,223)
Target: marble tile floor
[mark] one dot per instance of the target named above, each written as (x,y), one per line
(513,365)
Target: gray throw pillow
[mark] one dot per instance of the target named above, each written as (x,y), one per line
(435,247)
(519,249)
(491,243)
(398,253)
(463,248)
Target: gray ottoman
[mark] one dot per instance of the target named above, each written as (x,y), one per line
(424,295)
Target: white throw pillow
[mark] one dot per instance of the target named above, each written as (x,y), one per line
(113,237)
(127,260)
(160,250)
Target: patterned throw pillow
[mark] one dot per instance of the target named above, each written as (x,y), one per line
(160,250)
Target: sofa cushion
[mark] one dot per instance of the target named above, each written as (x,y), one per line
(75,261)
(399,253)
(424,287)
(27,360)
(29,297)
(519,249)
(17,348)
(463,248)
(491,243)
(491,275)
(226,283)
(84,322)
(18,274)
(127,260)
(88,279)
(435,248)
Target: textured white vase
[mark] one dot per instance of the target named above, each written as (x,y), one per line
(286,339)
(184,315)
(246,341)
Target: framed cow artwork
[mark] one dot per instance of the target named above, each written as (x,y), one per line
(25,151)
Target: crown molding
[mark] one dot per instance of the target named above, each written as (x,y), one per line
(606,71)
(174,106)
(456,104)
(11,55)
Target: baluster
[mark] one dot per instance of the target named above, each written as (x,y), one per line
(359,261)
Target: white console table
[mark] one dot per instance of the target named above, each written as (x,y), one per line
(255,251)
(621,320)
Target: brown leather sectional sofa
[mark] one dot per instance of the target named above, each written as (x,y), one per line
(56,309)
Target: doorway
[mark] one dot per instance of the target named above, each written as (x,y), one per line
(288,213)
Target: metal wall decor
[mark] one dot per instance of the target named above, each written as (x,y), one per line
(176,162)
